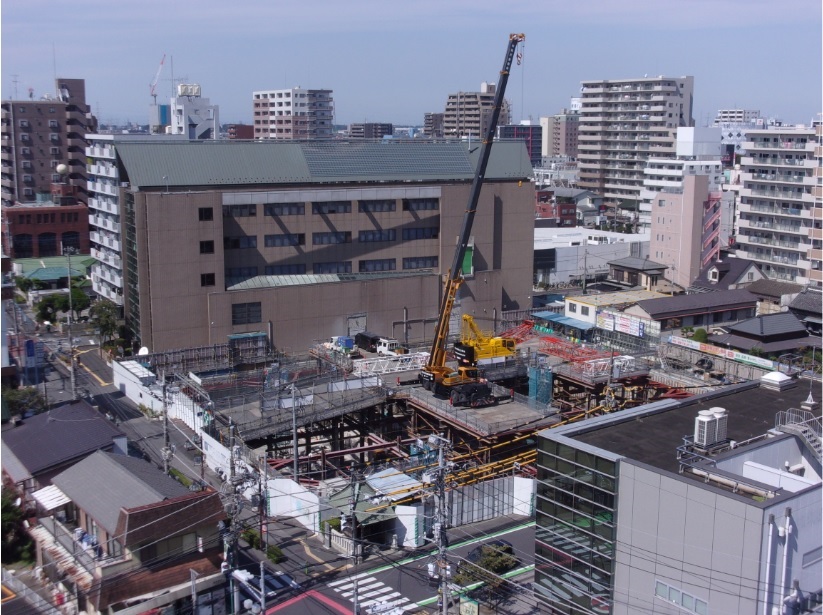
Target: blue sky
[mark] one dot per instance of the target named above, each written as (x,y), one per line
(394,61)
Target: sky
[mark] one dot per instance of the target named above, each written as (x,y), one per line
(395,61)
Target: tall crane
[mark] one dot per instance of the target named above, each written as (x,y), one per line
(153,84)
(436,376)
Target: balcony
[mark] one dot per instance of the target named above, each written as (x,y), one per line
(772,225)
(92,559)
(770,241)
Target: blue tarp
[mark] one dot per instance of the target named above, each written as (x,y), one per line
(564,320)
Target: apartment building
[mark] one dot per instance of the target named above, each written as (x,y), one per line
(739,116)
(624,123)
(293,114)
(192,115)
(302,242)
(467,113)
(780,214)
(39,135)
(370,130)
(530,134)
(705,505)
(433,125)
(560,134)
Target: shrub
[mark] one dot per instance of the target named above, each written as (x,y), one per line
(700,335)
(252,537)
(274,554)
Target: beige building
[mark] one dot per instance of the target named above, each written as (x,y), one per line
(293,114)
(625,122)
(303,243)
(780,214)
(38,135)
(560,134)
(468,113)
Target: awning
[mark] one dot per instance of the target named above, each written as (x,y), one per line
(565,320)
(50,498)
(814,319)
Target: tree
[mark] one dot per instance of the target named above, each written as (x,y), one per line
(16,543)
(48,307)
(24,284)
(700,335)
(22,400)
(79,302)
(104,314)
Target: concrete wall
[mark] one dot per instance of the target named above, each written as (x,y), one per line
(705,543)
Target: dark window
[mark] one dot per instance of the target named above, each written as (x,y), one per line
(23,246)
(205,214)
(382,264)
(243,242)
(377,235)
(331,207)
(206,279)
(294,269)
(70,239)
(284,209)
(341,267)
(47,244)
(235,274)
(288,239)
(420,233)
(246,313)
(239,211)
(319,239)
(207,247)
(420,262)
(420,204)
(376,206)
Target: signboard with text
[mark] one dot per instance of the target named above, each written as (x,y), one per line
(726,353)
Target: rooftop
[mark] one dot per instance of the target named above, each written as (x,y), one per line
(680,305)
(619,298)
(651,434)
(641,264)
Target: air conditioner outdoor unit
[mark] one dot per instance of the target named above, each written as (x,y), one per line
(710,427)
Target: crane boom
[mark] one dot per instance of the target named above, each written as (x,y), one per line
(153,84)
(435,368)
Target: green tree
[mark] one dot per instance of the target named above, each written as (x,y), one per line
(24,284)
(104,314)
(492,563)
(48,307)
(700,335)
(22,400)
(79,302)
(16,543)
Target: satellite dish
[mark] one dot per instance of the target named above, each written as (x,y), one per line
(143,351)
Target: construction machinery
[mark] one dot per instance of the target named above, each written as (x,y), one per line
(436,376)
(476,345)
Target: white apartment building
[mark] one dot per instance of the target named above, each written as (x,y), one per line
(192,116)
(625,123)
(738,116)
(780,214)
(293,114)
(467,113)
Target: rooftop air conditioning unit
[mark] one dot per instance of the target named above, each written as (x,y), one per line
(710,427)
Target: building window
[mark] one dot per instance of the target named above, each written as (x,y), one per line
(206,279)
(205,214)
(293,269)
(377,235)
(421,204)
(429,232)
(207,247)
(584,310)
(331,207)
(246,313)
(382,264)
(321,239)
(573,307)
(420,262)
(238,274)
(376,206)
(284,209)
(287,239)
(339,267)
(243,242)
(239,211)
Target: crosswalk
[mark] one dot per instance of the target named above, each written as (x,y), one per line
(373,596)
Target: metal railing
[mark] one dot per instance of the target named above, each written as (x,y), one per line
(29,595)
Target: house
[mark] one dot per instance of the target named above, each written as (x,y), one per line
(808,307)
(634,271)
(727,274)
(37,448)
(771,334)
(773,295)
(120,531)
(697,310)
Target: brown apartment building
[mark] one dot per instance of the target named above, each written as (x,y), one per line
(303,241)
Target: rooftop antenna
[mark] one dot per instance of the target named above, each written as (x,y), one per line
(14,83)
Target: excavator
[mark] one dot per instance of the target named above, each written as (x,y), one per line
(476,345)
(463,384)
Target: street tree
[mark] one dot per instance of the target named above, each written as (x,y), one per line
(104,315)
(22,400)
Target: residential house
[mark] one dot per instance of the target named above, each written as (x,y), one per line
(697,310)
(770,334)
(808,307)
(773,296)
(119,531)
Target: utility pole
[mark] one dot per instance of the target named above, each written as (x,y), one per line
(262,587)
(585,267)
(68,251)
(294,435)
(441,522)
(166,452)
(355,488)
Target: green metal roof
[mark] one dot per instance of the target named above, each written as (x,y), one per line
(168,164)
(50,274)
(27,265)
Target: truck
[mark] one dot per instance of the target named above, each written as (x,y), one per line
(436,376)
(390,347)
(366,340)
